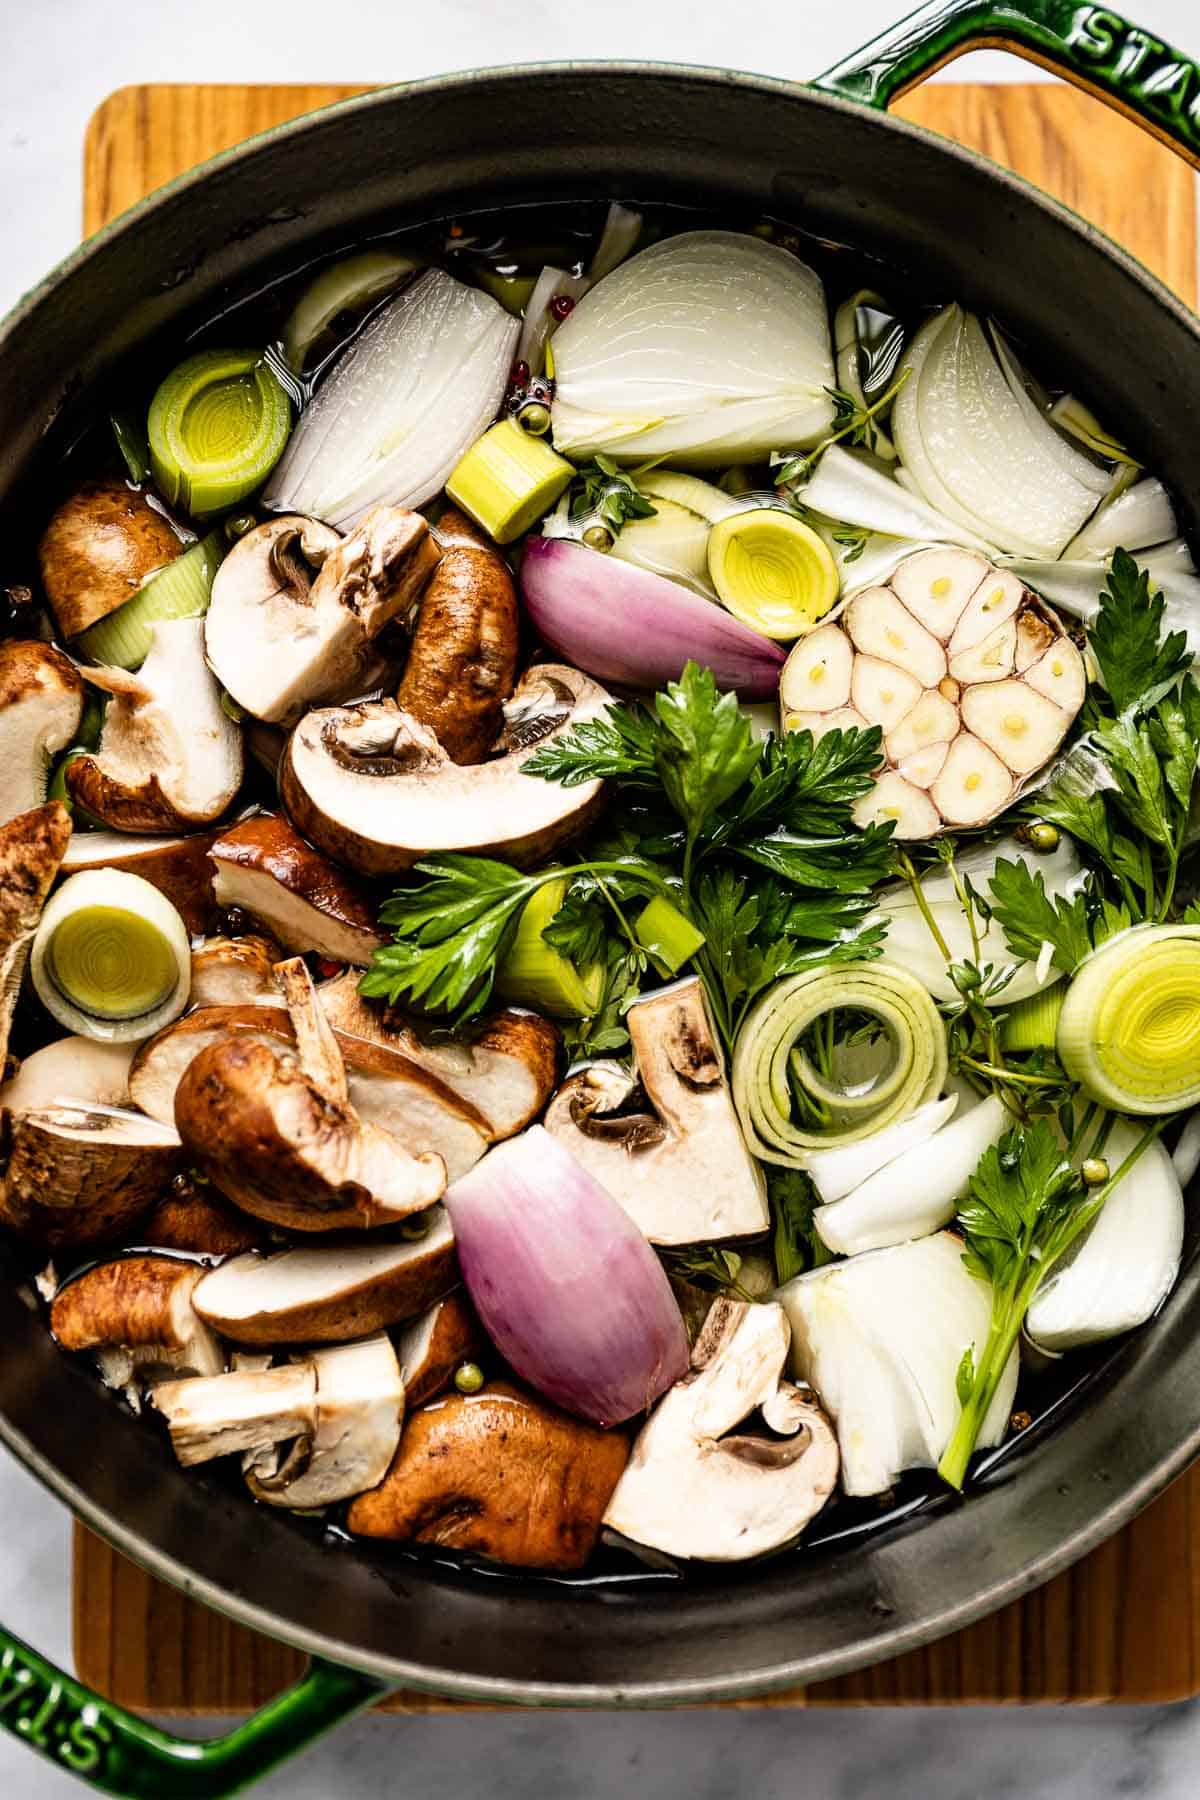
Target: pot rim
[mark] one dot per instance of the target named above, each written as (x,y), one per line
(1156,1462)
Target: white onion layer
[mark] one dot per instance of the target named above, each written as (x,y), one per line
(712,346)
(401,405)
(880,1338)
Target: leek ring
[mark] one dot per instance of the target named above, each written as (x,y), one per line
(1129,1030)
(769,1054)
(217,427)
(772,571)
(111,958)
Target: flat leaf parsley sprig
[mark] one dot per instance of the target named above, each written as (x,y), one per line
(753,842)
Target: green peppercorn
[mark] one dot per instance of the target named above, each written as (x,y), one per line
(534,418)
(239,525)
(416,1225)
(1042,835)
(1095,1171)
(598,537)
(468,1378)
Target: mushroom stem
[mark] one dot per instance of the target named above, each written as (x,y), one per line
(245,1410)
(316,1046)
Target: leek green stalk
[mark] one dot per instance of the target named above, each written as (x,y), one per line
(769,1057)
(1129,1031)
(180,590)
(534,973)
(666,935)
(507,480)
(217,426)
(1033,1024)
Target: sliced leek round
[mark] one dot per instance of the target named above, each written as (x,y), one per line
(772,571)
(507,480)
(792,1102)
(217,427)
(1129,1030)
(111,958)
(971,678)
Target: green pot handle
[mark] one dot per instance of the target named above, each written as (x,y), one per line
(1092,46)
(119,1754)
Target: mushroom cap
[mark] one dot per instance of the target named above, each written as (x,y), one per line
(462,663)
(169,755)
(264,867)
(234,971)
(360,1404)
(680,1169)
(505,1068)
(177,866)
(41,704)
(295,607)
(375,790)
(498,1473)
(133,1300)
(78,1175)
(387,1088)
(746,1495)
(98,548)
(331,1293)
(78,1070)
(432,1346)
(261,1130)
(192,1216)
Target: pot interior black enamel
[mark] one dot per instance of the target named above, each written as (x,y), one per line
(726,143)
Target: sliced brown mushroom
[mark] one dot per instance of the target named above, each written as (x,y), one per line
(501,1474)
(463,661)
(169,756)
(432,1347)
(275,1132)
(192,1216)
(505,1069)
(746,1494)
(373,788)
(136,1314)
(81,1175)
(234,971)
(70,1071)
(177,866)
(99,547)
(330,1294)
(265,868)
(281,637)
(360,1404)
(31,851)
(671,1153)
(248,1409)
(387,1088)
(41,704)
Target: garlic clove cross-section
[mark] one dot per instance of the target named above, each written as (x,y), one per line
(971,678)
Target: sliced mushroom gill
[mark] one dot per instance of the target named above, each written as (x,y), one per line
(971,678)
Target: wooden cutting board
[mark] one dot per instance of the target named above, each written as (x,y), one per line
(1124,1624)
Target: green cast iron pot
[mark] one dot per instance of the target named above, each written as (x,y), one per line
(828,157)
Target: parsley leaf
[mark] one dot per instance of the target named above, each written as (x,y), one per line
(609,494)
(1025,1207)
(1136,663)
(705,750)
(795,1242)
(1029,917)
(618,744)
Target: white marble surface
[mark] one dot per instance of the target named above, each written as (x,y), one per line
(58,58)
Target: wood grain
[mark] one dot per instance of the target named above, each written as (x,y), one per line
(1124,1624)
